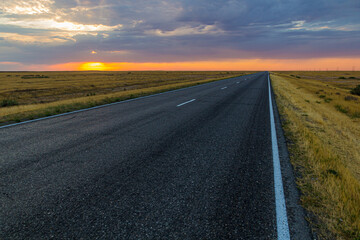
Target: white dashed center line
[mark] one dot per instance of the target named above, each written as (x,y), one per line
(186,102)
(223,88)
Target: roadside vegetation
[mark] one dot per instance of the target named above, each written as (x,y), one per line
(29,95)
(321,119)
(356,90)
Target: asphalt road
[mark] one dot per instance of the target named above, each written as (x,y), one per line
(189,164)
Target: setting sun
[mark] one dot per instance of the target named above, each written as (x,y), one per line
(233,119)
(93,66)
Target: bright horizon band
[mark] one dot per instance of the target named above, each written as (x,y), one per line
(319,64)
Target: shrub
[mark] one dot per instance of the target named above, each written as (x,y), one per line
(356,115)
(350,98)
(342,77)
(342,109)
(33,76)
(356,91)
(8,103)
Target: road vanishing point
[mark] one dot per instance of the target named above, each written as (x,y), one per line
(204,162)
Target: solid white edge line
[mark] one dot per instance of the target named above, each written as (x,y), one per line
(114,103)
(281,217)
(186,102)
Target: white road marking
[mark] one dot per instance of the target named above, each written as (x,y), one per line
(237,82)
(186,102)
(281,217)
(106,105)
(223,88)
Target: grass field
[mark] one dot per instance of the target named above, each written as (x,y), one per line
(28,95)
(321,120)
(320,117)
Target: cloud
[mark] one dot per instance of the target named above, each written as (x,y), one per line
(21,7)
(55,31)
(14,37)
(52,24)
(186,30)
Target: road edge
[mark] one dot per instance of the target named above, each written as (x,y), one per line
(298,225)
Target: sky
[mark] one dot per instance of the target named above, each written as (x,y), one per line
(179,35)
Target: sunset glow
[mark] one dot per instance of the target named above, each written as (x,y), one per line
(325,64)
(94,66)
(179,35)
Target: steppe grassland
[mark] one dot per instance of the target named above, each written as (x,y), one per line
(322,122)
(28,95)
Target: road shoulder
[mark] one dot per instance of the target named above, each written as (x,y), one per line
(299,227)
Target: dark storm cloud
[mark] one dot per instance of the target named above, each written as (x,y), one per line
(168,31)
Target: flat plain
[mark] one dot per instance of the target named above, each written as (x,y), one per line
(29,95)
(320,116)
(154,168)
(321,119)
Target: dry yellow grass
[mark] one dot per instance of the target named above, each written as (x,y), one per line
(324,146)
(46,93)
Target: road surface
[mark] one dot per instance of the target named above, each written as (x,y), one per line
(190,164)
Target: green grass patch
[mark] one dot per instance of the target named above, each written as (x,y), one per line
(341,108)
(8,103)
(355,115)
(327,100)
